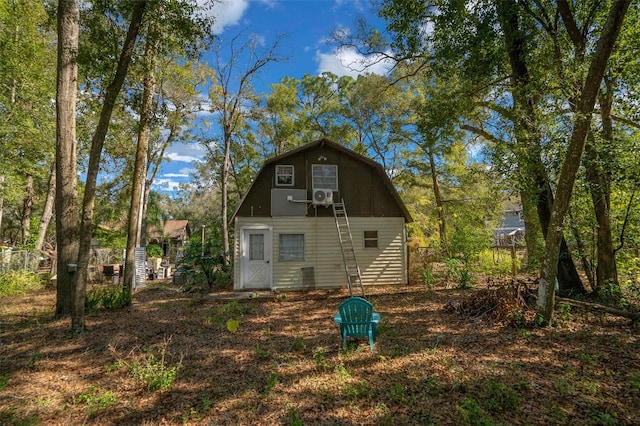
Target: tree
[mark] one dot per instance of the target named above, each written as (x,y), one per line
(231,94)
(585,102)
(66,180)
(27,128)
(97,142)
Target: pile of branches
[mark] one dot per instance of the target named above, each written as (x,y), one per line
(511,303)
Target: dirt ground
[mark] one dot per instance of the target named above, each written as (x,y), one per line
(442,356)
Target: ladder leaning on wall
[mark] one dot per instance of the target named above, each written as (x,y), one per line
(351,268)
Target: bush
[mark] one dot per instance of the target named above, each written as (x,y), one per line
(154,250)
(19,283)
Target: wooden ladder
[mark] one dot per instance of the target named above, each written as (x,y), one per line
(351,268)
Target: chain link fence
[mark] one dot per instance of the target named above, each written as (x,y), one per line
(19,260)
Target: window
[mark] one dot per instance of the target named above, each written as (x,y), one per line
(256,247)
(284,175)
(291,247)
(371,239)
(325,176)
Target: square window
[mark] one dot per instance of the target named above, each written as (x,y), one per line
(284,175)
(371,239)
(325,176)
(291,247)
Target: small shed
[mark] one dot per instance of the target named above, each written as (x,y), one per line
(285,229)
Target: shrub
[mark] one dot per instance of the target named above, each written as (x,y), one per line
(19,283)
(154,250)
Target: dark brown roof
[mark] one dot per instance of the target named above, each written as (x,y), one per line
(333,145)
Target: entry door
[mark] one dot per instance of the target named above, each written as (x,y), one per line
(256,258)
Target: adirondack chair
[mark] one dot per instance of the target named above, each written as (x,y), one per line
(357,319)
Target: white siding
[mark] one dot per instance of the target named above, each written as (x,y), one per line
(379,266)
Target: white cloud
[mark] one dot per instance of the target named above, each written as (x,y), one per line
(347,61)
(185,152)
(166,184)
(226,13)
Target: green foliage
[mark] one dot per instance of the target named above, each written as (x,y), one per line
(107,298)
(360,389)
(564,311)
(459,272)
(96,401)
(228,315)
(204,269)
(497,263)
(319,357)
(500,397)
(19,283)
(428,276)
(114,240)
(3,382)
(272,381)
(472,413)
(154,250)
(155,371)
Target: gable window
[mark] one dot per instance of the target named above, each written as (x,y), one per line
(291,247)
(371,239)
(284,175)
(325,176)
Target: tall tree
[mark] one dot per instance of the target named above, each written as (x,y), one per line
(585,102)
(97,142)
(231,92)
(66,178)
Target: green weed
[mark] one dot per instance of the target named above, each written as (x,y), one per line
(428,276)
(106,298)
(472,413)
(272,382)
(319,357)
(3,382)
(299,344)
(360,389)
(155,371)
(500,397)
(19,283)
(96,401)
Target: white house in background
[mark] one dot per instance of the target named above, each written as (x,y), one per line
(285,230)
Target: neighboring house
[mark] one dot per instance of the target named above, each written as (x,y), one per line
(510,230)
(173,235)
(286,236)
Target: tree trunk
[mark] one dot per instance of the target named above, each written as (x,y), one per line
(442,229)
(226,163)
(1,203)
(607,283)
(97,142)
(528,138)
(66,176)
(140,168)
(27,208)
(47,212)
(606,270)
(575,149)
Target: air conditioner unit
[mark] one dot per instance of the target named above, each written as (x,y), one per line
(322,197)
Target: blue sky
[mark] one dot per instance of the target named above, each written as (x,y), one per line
(307,25)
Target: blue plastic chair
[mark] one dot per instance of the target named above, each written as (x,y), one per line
(357,319)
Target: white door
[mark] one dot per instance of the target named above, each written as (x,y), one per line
(256,258)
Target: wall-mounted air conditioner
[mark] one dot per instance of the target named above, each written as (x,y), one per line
(322,197)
